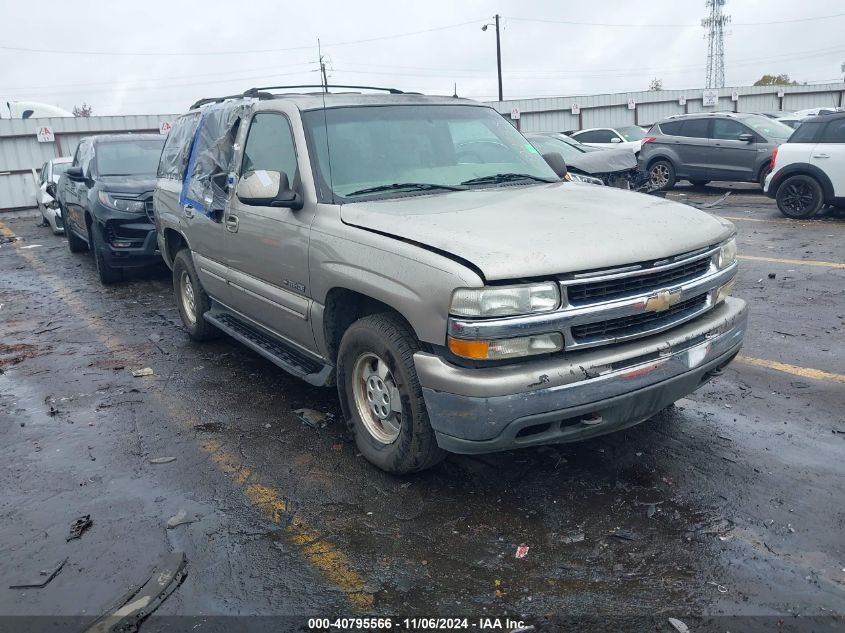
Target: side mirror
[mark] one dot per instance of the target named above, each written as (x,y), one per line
(51,188)
(264,188)
(75,173)
(556,162)
(616,139)
(748,138)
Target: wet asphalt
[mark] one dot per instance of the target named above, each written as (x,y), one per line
(730,503)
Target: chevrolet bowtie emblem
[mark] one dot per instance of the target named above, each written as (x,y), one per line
(661,301)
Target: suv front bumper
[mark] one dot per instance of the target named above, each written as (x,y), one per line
(580,395)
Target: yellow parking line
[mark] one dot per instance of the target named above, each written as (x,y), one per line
(792,262)
(320,553)
(819,224)
(804,372)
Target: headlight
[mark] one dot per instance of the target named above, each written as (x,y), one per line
(592,180)
(121,204)
(507,348)
(505,300)
(727,254)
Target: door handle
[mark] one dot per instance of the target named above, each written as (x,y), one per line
(821,155)
(189,211)
(232,223)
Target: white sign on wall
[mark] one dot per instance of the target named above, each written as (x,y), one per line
(515,113)
(165,127)
(682,100)
(709,98)
(734,96)
(780,92)
(632,104)
(45,134)
(576,109)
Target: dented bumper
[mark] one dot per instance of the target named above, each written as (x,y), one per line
(579,395)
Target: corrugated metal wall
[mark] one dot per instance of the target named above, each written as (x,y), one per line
(20,150)
(554,114)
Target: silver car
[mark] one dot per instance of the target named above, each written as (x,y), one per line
(457,305)
(45,193)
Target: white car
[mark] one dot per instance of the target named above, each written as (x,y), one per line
(815,111)
(45,194)
(809,169)
(625,137)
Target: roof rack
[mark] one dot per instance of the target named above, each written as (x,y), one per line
(262,92)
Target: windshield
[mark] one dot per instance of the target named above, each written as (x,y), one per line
(137,157)
(631,132)
(358,149)
(546,144)
(768,127)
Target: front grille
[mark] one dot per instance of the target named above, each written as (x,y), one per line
(148,207)
(638,323)
(596,291)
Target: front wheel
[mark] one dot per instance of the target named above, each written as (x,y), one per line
(381,396)
(108,274)
(800,197)
(192,300)
(662,175)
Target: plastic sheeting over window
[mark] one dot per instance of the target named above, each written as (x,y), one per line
(205,184)
(177,149)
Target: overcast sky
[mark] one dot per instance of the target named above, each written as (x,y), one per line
(159,57)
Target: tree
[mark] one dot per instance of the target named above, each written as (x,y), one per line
(83,110)
(775,80)
(656,84)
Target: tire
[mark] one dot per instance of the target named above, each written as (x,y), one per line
(75,244)
(108,274)
(800,197)
(763,175)
(661,174)
(375,368)
(699,183)
(191,299)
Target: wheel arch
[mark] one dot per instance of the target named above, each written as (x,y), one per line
(174,241)
(802,169)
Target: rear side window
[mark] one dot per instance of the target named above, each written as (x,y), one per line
(835,132)
(807,132)
(695,128)
(177,148)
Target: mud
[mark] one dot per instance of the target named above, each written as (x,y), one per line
(729,503)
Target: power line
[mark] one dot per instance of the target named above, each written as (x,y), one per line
(665,25)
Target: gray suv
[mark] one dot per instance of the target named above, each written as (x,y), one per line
(459,304)
(735,147)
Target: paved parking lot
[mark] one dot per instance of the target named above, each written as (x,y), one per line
(729,503)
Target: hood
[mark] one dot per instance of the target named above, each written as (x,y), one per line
(603,161)
(127,184)
(534,231)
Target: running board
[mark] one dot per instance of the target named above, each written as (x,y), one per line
(285,356)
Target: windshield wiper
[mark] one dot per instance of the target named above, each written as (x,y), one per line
(498,178)
(406,186)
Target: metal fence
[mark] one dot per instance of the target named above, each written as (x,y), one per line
(23,150)
(563,114)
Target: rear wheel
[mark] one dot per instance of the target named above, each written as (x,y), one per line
(763,175)
(661,174)
(192,300)
(800,197)
(699,183)
(108,273)
(381,395)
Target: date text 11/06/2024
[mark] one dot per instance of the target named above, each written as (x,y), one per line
(416,624)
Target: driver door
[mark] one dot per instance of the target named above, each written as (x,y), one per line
(267,247)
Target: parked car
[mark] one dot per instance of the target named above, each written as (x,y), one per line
(107,200)
(791,121)
(779,114)
(628,137)
(615,167)
(45,194)
(458,306)
(728,146)
(816,111)
(809,169)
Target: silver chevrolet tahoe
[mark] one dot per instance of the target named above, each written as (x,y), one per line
(420,254)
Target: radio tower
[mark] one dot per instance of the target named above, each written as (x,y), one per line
(715,24)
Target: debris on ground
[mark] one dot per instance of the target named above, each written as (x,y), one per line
(138,373)
(314,419)
(134,607)
(679,626)
(79,526)
(573,538)
(162,460)
(719,588)
(522,551)
(46,575)
(772,275)
(181,518)
(624,535)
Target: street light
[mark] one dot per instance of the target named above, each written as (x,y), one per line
(498,52)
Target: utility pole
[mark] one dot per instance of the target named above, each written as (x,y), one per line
(715,23)
(498,52)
